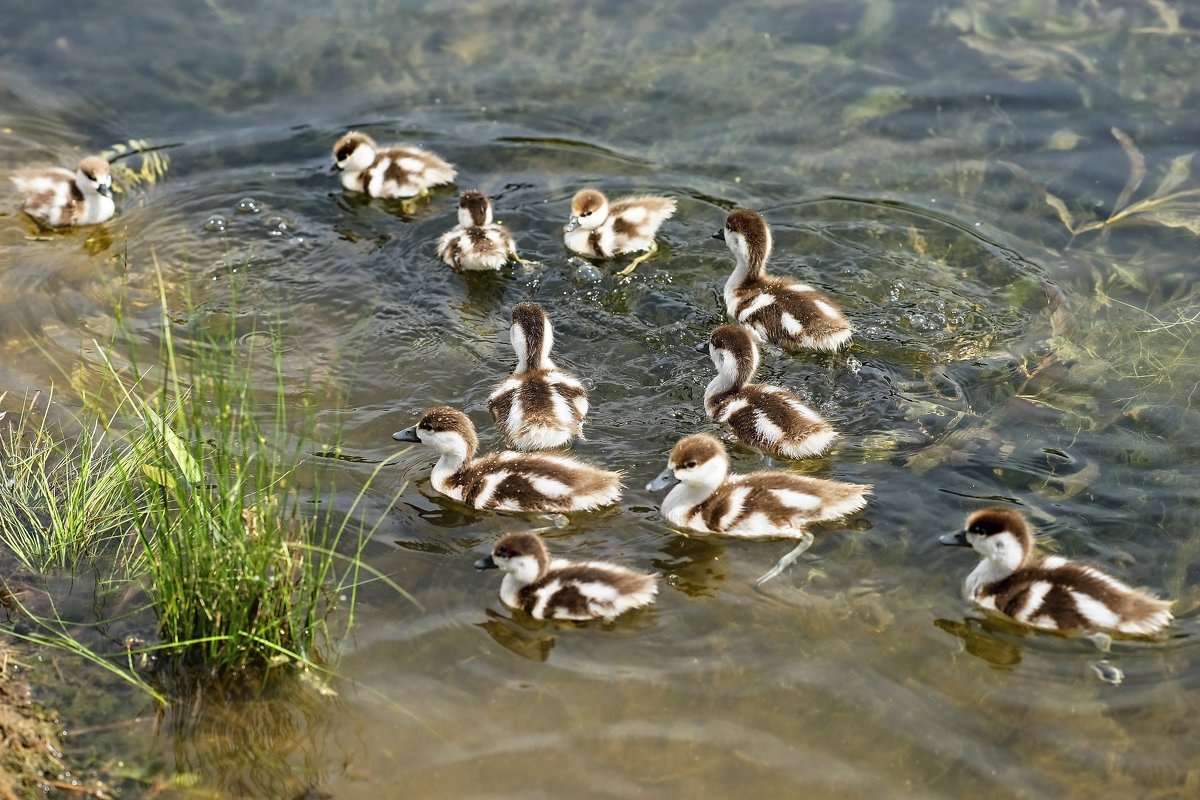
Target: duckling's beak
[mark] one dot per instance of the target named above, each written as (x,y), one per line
(334,168)
(104,190)
(719,234)
(702,347)
(956,539)
(665,478)
(572,224)
(486,563)
(407,435)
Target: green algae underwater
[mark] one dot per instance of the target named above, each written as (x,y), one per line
(1002,197)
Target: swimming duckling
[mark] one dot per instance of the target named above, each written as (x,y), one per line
(1048,593)
(540,406)
(778,310)
(599,229)
(57,197)
(507,481)
(477,242)
(391,172)
(766,417)
(561,589)
(707,498)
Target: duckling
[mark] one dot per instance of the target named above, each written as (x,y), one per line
(561,589)
(707,498)
(507,481)
(777,310)
(768,418)
(598,229)
(477,242)
(1049,593)
(392,172)
(540,406)
(58,198)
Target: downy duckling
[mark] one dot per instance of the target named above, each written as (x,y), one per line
(778,310)
(57,197)
(392,172)
(599,229)
(477,242)
(1048,593)
(707,498)
(507,481)
(768,418)
(561,589)
(540,406)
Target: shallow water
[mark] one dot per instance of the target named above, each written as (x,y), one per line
(903,153)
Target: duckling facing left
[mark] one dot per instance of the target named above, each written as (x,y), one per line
(599,229)
(770,503)
(477,242)
(389,172)
(777,310)
(561,589)
(1049,593)
(540,406)
(507,481)
(59,198)
(766,417)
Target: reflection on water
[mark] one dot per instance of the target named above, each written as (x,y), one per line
(924,165)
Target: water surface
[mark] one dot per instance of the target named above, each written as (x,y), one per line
(909,156)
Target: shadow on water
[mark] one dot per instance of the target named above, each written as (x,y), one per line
(932,168)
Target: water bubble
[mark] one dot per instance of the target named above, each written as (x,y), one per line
(278,225)
(215,224)
(248,205)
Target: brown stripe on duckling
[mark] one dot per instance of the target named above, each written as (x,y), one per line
(595,239)
(476,204)
(569,597)
(1010,595)
(794,425)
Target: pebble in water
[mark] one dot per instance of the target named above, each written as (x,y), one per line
(248,205)
(215,224)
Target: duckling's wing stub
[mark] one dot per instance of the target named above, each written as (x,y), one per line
(956,539)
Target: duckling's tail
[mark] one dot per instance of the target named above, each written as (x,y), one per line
(1144,615)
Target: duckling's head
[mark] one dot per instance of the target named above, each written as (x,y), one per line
(474,209)
(532,337)
(998,534)
(93,174)
(589,209)
(522,555)
(733,353)
(449,431)
(749,239)
(354,151)
(697,460)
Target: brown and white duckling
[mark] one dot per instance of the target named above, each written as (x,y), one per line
(561,589)
(539,406)
(1048,593)
(507,481)
(58,198)
(477,242)
(599,229)
(778,310)
(391,172)
(768,418)
(707,498)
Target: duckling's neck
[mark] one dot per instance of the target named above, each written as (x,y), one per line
(686,495)
(533,360)
(451,461)
(989,571)
(728,380)
(750,265)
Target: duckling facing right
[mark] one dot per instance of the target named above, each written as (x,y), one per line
(477,242)
(1048,593)
(507,481)
(707,498)
(540,406)
(777,310)
(561,589)
(58,198)
(766,417)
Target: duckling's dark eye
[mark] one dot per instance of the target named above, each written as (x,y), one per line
(425,426)
(689,465)
(344,152)
(975,529)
